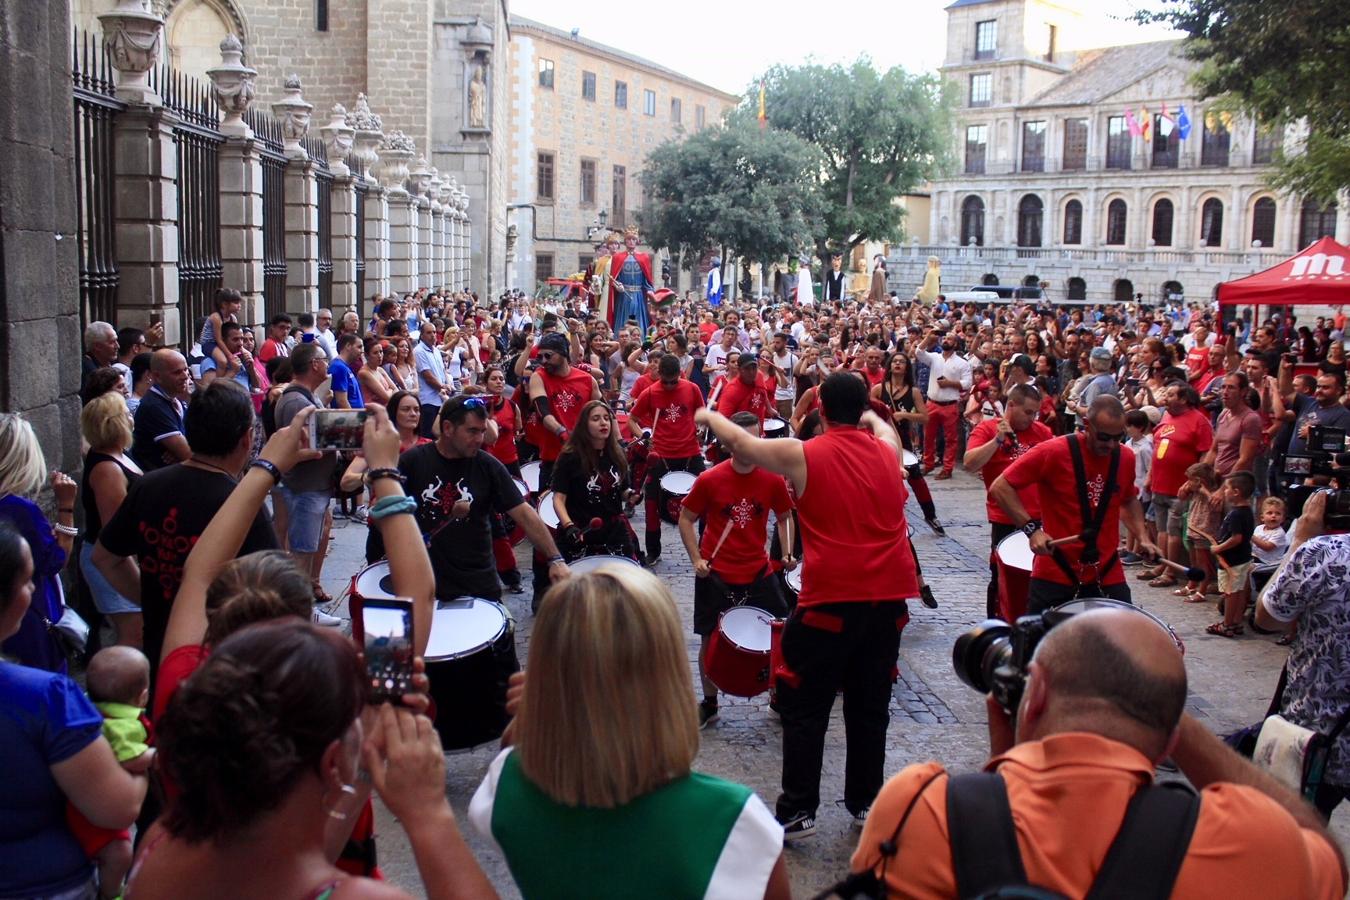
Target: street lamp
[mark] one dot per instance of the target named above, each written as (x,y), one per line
(598,225)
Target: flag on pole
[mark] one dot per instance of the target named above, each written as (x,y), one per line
(714,296)
(763,120)
(1183,123)
(1132,123)
(1145,123)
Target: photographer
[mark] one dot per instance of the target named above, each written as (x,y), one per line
(1322,408)
(1102,704)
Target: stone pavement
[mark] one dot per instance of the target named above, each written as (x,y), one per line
(933,715)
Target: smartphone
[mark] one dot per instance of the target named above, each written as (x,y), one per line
(337,429)
(388,628)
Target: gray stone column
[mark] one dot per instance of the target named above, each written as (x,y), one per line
(425,260)
(377,247)
(343,213)
(241,220)
(302,236)
(452,246)
(403,242)
(467,253)
(437,246)
(147,219)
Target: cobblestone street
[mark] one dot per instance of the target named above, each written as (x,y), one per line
(933,715)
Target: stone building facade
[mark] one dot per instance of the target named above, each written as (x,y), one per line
(1052,186)
(584,117)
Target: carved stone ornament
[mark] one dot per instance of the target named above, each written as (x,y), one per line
(369,135)
(396,153)
(293,112)
(434,190)
(232,82)
(419,178)
(133,34)
(338,138)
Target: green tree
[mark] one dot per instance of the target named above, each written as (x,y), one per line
(882,135)
(738,189)
(1280,64)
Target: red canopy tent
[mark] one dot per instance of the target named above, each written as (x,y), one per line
(1320,274)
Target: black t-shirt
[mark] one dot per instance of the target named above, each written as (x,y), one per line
(460,549)
(156,417)
(589,496)
(158,523)
(1239,520)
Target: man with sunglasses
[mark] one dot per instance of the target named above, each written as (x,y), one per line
(1085,483)
(558,391)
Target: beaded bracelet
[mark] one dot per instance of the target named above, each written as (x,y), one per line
(376,474)
(393,505)
(269,467)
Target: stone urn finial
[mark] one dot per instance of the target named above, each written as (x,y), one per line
(434,189)
(232,82)
(338,137)
(369,135)
(133,34)
(396,153)
(419,178)
(293,112)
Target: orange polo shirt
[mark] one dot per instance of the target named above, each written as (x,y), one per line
(1068,795)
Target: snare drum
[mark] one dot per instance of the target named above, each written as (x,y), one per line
(775,428)
(1014,560)
(529,473)
(515,533)
(547,512)
(738,651)
(372,583)
(675,486)
(1057,614)
(908,458)
(470,657)
(587,564)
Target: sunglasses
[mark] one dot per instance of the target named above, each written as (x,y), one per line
(1106,436)
(475,403)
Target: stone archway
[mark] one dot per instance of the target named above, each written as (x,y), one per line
(193,30)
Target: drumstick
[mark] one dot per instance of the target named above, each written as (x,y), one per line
(725,531)
(1066,540)
(1191,572)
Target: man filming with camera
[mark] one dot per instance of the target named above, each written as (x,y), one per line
(1070,802)
(1322,408)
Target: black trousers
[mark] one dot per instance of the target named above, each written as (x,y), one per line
(1045,594)
(997,532)
(828,647)
(429,414)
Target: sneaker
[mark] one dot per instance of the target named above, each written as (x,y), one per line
(707,713)
(798,826)
(323,618)
(651,559)
(937,527)
(860,817)
(340,513)
(1130,559)
(515,587)
(926,595)
(360,514)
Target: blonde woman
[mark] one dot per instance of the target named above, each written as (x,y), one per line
(597,798)
(23,472)
(108,474)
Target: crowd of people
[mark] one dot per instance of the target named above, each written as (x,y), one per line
(223,744)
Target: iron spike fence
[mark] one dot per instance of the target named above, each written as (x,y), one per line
(95,108)
(268,132)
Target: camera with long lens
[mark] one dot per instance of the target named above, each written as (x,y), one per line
(1324,456)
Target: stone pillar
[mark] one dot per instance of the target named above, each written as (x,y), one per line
(241,223)
(467,253)
(147,219)
(302,236)
(437,246)
(403,242)
(377,248)
(425,260)
(344,212)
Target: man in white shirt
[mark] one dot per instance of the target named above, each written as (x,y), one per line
(432,388)
(784,361)
(715,362)
(949,376)
(323,333)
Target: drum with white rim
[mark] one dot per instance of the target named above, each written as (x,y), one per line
(1058,613)
(547,512)
(530,474)
(738,651)
(514,532)
(374,582)
(470,657)
(908,458)
(1015,550)
(1014,561)
(587,564)
(675,486)
(775,428)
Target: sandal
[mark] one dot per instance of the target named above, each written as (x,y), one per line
(1222,630)
(320,595)
(1285,641)
(1195,597)
(1183,591)
(1147,574)
(1164,581)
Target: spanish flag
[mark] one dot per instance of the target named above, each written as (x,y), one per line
(763,120)
(1145,123)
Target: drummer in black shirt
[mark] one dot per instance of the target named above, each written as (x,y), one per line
(589,482)
(458,486)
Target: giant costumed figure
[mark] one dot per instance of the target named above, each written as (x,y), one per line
(631,284)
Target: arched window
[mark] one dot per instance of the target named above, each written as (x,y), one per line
(1031,281)
(1077,289)
(1172,291)
(1315,222)
(1029,215)
(1123,290)
(1263,222)
(989,279)
(1162,223)
(972,222)
(1211,223)
(1073,222)
(1115,222)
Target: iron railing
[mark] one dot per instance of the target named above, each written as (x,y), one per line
(324,189)
(95,108)
(268,132)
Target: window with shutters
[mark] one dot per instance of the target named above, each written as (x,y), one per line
(1075,144)
(621,94)
(1073,222)
(588,182)
(588,86)
(1116,214)
(1033,146)
(544,182)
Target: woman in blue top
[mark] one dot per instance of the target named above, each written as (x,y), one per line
(52,750)
(598,798)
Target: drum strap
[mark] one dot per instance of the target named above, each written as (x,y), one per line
(1092,519)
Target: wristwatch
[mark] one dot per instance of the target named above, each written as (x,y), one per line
(1032,526)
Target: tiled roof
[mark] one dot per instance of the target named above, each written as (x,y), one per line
(1097,74)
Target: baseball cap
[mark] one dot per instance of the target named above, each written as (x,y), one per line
(1100,353)
(1023,362)
(1154,414)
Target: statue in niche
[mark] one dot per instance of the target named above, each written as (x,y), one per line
(478,97)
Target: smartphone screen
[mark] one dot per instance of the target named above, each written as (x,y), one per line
(388,649)
(337,429)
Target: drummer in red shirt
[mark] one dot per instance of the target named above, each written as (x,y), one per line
(993,446)
(1086,483)
(667,408)
(731,565)
(746,393)
(558,391)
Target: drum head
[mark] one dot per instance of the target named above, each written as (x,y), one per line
(375,582)
(747,627)
(522,487)
(794,579)
(1059,613)
(587,564)
(530,473)
(774,427)
(679,483)
(1015,551)
(546,510)
(908,458)
(464,626)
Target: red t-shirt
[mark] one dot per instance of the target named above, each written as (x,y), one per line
(1003,457)
(674,435)
(738,396)
(1178,443)
(1049,466)
(722,495)
(873,378)
(706,330)
(855,540)
(173,671)
(271,348)
(505,417)
(1197,360)
(566,397)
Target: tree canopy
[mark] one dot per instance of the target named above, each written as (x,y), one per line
(1281,65)
(882,134)
(745,191)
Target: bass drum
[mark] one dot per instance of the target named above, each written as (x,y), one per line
(675,486)
(471,655)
